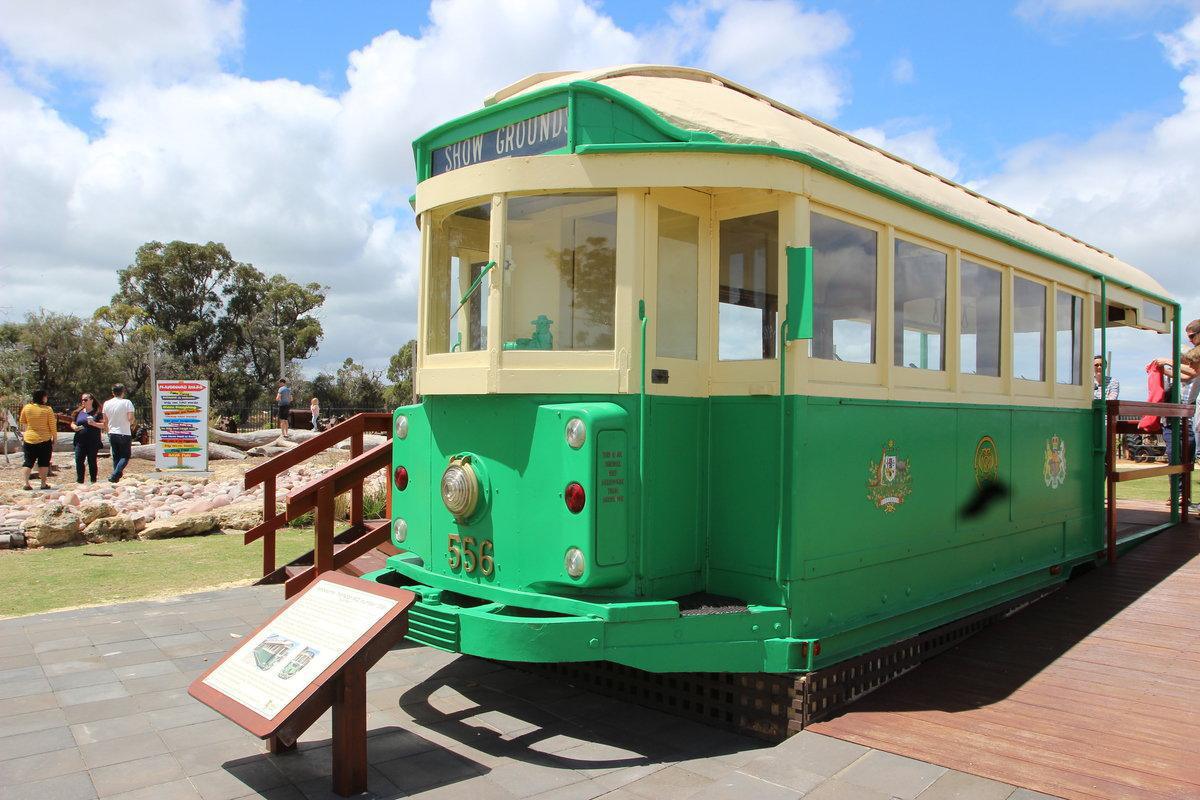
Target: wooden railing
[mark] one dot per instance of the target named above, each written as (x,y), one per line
(1114,426)
(318,496)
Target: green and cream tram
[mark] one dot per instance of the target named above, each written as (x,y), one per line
(708,384)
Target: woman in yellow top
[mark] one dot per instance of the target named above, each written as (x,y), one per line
(37,418)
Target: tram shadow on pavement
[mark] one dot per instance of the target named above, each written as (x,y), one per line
(474,719)
(1099,624)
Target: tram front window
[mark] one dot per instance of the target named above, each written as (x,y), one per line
(560,272)
(459,256)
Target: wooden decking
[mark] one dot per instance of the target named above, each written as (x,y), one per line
(1094,692)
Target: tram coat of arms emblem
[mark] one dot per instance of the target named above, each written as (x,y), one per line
(1054,469)
(987,462)
(889,480)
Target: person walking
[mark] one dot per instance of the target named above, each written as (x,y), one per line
(314,410)
(41,429)
(118,418)
(87,426)
(283,398)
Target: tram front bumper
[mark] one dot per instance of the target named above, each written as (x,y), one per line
(659,639)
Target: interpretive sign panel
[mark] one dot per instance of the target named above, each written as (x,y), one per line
(181,425)
(278,667)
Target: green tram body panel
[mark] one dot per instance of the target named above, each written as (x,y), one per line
(866,561)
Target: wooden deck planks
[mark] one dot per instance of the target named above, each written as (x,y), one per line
(1094,692)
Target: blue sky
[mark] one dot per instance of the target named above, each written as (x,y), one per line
(283,129)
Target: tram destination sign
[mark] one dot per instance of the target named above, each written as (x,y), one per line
(529,137)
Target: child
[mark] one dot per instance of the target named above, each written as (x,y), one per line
(314,408)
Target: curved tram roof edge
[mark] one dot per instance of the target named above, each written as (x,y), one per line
(708,113)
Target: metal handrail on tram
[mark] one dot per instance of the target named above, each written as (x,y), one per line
(1113,426)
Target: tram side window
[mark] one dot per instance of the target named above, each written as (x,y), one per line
(460,253)
(560,276)
(678,276)
(748,300)
(979,346)
(919,329)
(1029,330)
(1068,338)
(844,273)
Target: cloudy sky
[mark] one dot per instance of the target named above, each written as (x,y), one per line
(284,129)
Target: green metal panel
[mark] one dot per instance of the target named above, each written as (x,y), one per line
(800,293)
(870,558)
(743,490)
(672,546)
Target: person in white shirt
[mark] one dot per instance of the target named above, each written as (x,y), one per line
(118,415)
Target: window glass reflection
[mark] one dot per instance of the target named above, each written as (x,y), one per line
(747,299)
(844,273)
(560,272)
(1029,330)
(678,276)
(1068,338)
(919,308)
(459,254)
(979,348)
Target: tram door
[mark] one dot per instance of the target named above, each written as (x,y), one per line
(676,288)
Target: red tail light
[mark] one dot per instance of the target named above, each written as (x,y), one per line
(401,478)
(574,497)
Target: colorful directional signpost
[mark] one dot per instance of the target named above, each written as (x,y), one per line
(181,424)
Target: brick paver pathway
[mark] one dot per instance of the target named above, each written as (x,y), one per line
(93,703)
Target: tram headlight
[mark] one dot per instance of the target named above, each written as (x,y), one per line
(574,562)
(401,427)
(576,433)
(460,489)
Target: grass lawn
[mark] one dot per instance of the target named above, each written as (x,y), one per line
(1154,488)
(97,574)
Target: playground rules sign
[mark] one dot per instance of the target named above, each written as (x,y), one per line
(181,425)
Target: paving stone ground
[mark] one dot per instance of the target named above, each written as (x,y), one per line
(94,704)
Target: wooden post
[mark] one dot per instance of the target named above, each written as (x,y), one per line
(1110,480)
(268,516)
(275,745)
(350,730)
(356,492)
(323,531)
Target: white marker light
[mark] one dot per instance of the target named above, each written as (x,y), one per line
(576,433)
(574,562)
(400,528)
(401,427)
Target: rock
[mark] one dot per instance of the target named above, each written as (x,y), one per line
(241,441)
(182,525)
(297,436)
(110,529)
(16,540)
(65,443)
(53,525)
(217,452)
(268,450)
(91,512)
(5,541)
(143,451)
(240,517)
(370,441)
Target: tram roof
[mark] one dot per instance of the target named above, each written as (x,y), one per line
(697,100)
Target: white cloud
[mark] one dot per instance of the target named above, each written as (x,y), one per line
(779,49)
(1063,9)
(120,40)
(288,176)
(919,146)
(1133,189)
(902,71)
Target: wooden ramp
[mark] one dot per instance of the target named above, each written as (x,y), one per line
(1094,692)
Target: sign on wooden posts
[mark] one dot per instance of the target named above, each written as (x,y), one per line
(181,425)
(313,654)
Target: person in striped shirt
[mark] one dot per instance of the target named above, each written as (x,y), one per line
(41,429)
